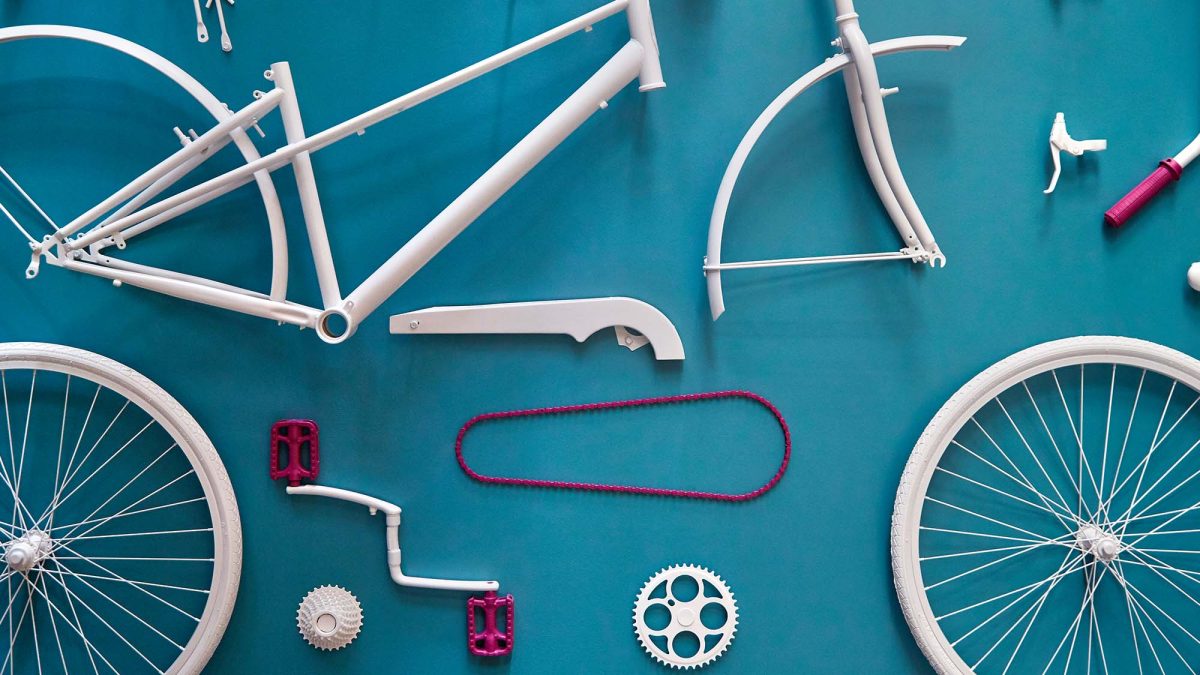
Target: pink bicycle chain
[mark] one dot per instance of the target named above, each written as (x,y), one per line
(633,489)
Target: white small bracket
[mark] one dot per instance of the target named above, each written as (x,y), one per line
(637,323)
(1061,141)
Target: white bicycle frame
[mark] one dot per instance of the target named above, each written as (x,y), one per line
(865,95)
(81,244)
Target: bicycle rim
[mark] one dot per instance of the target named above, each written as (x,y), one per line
(121,537)
(1049,517)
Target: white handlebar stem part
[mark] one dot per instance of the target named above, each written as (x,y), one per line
(641,28)
(392,521)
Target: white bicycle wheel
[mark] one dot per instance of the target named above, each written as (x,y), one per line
(121,539)
(1049,517)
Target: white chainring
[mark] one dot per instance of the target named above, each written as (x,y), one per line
(685,617)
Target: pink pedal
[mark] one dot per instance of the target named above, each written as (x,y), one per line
(490,641)
(295,437)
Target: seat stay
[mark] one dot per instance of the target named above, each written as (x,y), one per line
(159,186)
(238,121)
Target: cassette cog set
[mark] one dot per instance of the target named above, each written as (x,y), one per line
(685,617)
(329,617)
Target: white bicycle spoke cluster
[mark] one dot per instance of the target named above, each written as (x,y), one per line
(1049,519)
(118,529)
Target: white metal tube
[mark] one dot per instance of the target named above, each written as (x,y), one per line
(117,263)
(306,185)
(866,148)
(156,189)
(279,254)
(392,523)
(716,227)
(813,260)
(242,118)
(285,312)
(864,63)
(611,78)
(641,28)
(284,155)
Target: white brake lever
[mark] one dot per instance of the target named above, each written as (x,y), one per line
(1061,141)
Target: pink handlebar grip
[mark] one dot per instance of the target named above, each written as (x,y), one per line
(1168,170)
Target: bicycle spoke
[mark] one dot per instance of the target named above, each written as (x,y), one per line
(1078,433)
(1158,564)
(92,562)
(9,476)
(98,469)
(126,514)
(967,533)
(77,626)
(71,529)
(1137,650)
(9,659)
(85,582)
(37,647)
(1137,604)
(978,552)
(991,520)
(87,646)
(62,655)
(1023,481)
(62,437)
(1006,494)
(85,605)
(1065,569)
(133,534)
(1054,444)
(1036,608)
(1062,501)
(25,438)
(55,501)
(136,582)
(989,564)
(1172,583)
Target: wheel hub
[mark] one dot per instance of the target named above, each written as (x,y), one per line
(1104,544)
(28,551)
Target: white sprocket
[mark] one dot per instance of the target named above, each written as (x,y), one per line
(329,617)
(685,616)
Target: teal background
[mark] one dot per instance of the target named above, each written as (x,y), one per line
(857,358)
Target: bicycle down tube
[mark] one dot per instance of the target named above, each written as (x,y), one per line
(130,212)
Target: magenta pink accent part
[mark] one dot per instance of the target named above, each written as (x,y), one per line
(295,435)
(1168,171)
(633,489)
(491,641)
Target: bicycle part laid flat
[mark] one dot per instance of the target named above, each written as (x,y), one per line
(685,617)
(81,244)
(1061,141)
(120,532)
(1169,170)
(233,132)
(622,405)
(865,96)
(489,639)
(329,618)
(1049,517)
(577,318)
(298,441)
